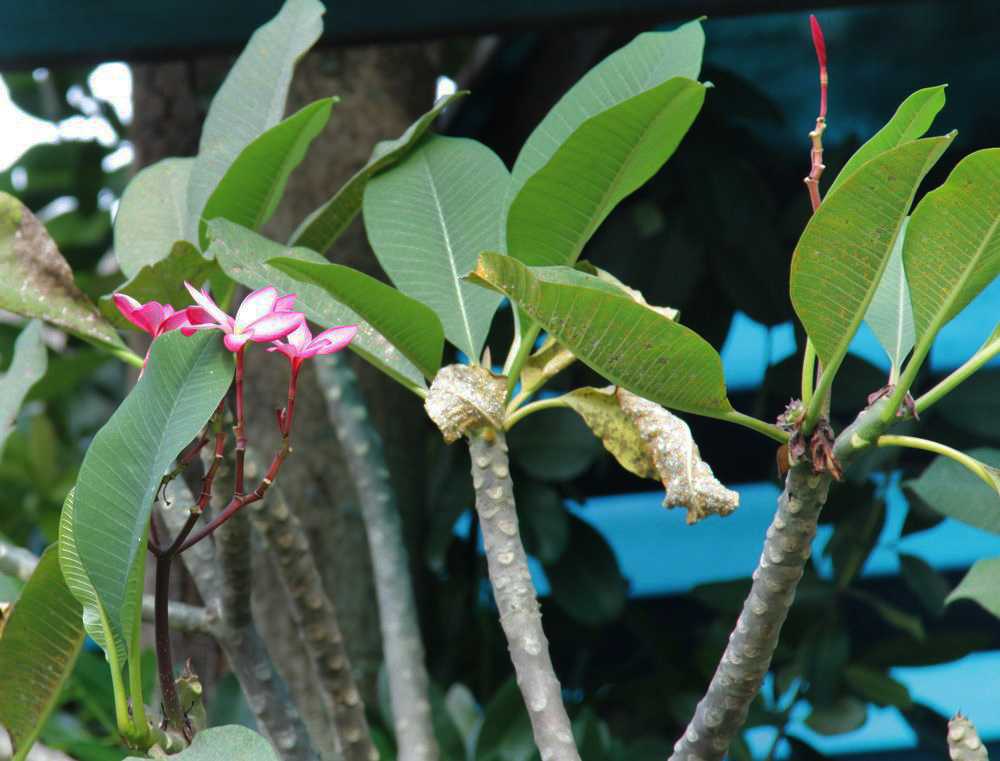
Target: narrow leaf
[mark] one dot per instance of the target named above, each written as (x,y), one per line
(889,314)
(839,260)
(952,248)
(952,490)
(228,743)
(324,225)
(152,215)
(605,159)
(243,256)
(911,121)
(252,98)
(252,187)
(35,280)
(95,620)
(183,382)
(162,281)
(631,344)
(407,324)
(651,58)
(427,219)
(40,643)
(981,584)
(26,368)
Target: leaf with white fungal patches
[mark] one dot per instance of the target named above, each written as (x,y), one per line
(602,412)
(465,398)
(687,479)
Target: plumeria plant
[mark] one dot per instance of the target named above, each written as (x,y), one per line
(457,233)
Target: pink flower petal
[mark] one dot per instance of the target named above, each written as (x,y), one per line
(300,337)
(198,316)
(235,342)
(285,303)
(274,325)
(145,316)
(255,306)
(334,339)
(288,351)
(205,301)
(176,320)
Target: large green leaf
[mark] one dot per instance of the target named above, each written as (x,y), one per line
(183,382)
(323,226)
(407,324)
(40,644)
(981,584)
(26,368)
(252,187)
(35,280)
(586,580)
(243,256)
(605,159)
(952,247)
(251,99)
(95,620)
(631,344)
(228,743)
(428,217)
(651,58)
(152,215)
(889,314)
(952,490)
(839,260)
(162,281)
(911,121)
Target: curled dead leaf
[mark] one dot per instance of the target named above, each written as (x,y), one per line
(466,398)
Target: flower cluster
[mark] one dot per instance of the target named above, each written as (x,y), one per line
(264,316)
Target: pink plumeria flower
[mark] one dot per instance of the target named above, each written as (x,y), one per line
(301,345)
(153,317)
(261,317)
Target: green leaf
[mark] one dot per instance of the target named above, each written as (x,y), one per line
(162,281)
(906,622)
(152,214)
(877,686)
(928,584)
(95,620)
(605,159)
(846,715)
(911,121)
(228,743)
(183,382)
(40,644)
(651,58)
(407,324)
(586,580)
(26,368)
(243,256)
(981,585)
(251,100)
(889,314)
(323,226)
(975,406)
(952,247)
(553,445)
(631,344)
(839,260)
(252,187)
(428,217)
(952,490)
(35,281)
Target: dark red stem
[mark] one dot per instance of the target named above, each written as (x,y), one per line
(164,660)
(816,136)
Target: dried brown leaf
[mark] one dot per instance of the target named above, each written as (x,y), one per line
(466,398)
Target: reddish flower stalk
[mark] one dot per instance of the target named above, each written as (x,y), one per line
(816,136)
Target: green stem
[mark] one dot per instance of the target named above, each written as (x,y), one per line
(818,404)
(933,446)
(117,685)
(127,356)
(135,665)
(752,423)
(908,376)
(512,367)
(808,372)
(980,358)
(541,404)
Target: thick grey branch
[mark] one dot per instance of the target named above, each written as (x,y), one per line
(786,549)
(516,598)
(265,692)
(19,562)
(314,613)
(404,649)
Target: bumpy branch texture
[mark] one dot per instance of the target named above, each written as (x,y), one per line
(744,664)
(314,613)
(516,598)
(963,740)
(404,650)
(265,692)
